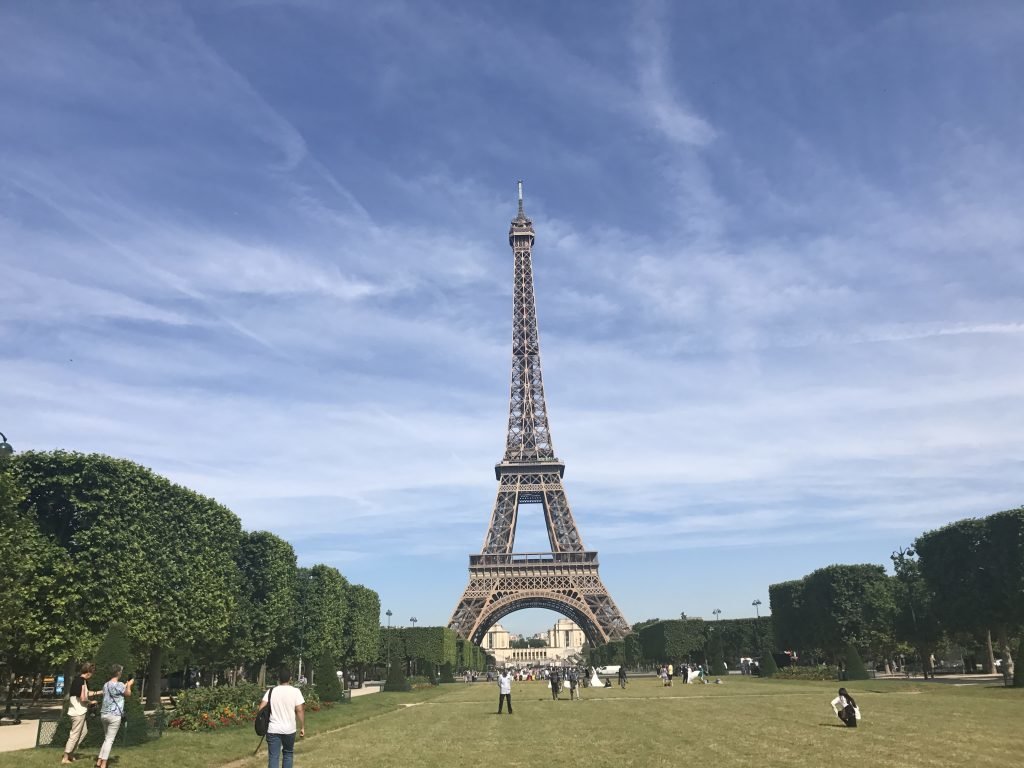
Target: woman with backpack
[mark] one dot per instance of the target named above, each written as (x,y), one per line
(112,710)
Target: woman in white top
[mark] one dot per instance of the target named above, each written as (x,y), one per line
(846,708)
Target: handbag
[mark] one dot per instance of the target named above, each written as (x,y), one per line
(262,721)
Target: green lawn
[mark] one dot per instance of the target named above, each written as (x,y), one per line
(744,722)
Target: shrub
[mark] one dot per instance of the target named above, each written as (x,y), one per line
(446,674)
(326,676)
(115,649)
(396,678)
(855,669)
(821,672)
(767,666)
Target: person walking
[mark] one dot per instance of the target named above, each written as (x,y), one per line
(663,674)
(78,708)
(846,708)
(670,670)
(556,684)
(287,707)
(505,690)
(622,677)
(112,710)
(574,684)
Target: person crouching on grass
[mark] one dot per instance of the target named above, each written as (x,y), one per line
(846,708)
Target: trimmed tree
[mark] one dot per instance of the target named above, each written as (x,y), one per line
(362,629)
(767,666)
(262,622)
(326,676)
(855,669)
(396,681)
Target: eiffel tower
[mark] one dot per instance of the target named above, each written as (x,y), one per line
(565,579)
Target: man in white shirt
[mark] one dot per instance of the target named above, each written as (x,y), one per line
(504,690)
(286,707)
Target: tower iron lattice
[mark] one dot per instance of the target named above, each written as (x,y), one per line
(566,579)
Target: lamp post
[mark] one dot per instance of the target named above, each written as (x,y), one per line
(413,620)
(389,615)
(304,588)
(757,623)
(717,612)
(5,449)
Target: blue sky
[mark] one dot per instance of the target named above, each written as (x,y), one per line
(260,247)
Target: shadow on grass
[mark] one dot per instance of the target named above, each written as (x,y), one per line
(832,725)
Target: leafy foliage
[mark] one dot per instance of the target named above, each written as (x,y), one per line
(714,651)
(815,672)
(362,629)
(322,611)
(977,565)
(263,617)
(834,607)
(673,640)
(326,678)
(396,680)
(767,665)
(855,669)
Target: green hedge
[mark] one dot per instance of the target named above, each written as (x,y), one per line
(822,672)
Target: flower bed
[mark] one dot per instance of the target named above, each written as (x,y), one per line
(207,709)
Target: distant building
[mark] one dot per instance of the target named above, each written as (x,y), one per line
(564,640)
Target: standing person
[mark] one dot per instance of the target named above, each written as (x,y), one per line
(686,673)
(663,674)
(286,707)
(622,677)
(847,709)
(556,684)
(504,690)
(574,684)
(670,675)
(78,707)
(112,710)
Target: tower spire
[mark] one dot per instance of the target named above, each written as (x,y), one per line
(521,215)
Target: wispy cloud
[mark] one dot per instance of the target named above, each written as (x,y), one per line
(282,278)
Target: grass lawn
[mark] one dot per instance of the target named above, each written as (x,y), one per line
(744,722)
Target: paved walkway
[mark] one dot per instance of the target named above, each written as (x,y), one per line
(21,736)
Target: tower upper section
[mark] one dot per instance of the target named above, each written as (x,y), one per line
(520,233)
(529,438)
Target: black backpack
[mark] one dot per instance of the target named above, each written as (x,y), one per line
(262,721)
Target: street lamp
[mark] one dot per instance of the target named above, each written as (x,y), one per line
(717,612)
(413,620)
(757,623)
(389,615)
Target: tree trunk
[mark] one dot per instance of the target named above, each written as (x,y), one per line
(990,657)
(261,678)
(153,677)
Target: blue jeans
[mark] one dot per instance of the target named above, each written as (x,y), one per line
(278,743)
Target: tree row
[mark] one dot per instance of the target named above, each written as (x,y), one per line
(88,541)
